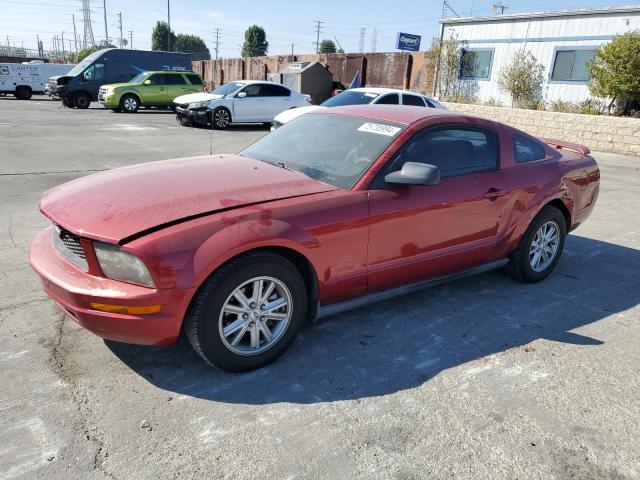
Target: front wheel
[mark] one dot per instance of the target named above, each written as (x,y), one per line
(68,102)
(221,118)
(81,100)
(129,104)
(23,93)
(248,312)
(540,248)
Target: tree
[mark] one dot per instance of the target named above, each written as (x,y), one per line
(615,70)
(255,42)
(443,68)
(327,46)
(159,37)
(85,52)
(522,79)
(193,45)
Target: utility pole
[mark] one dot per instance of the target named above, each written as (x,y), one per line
(104,9)
(130,39)
(75,33)
(217,47)
(292,49)
(63,53)
(446,6)
(318,30)
(120,26)
(499,6)
(168,25)
(362,34)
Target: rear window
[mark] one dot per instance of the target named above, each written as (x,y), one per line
(350,98)
(194,79)
(269,90)
(412,100)
(526,150)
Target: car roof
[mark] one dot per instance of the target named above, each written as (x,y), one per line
(382,90)
(169,71)
(403,114)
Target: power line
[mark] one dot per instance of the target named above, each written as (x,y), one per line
(318,30)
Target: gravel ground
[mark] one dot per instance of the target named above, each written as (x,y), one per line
(484,378)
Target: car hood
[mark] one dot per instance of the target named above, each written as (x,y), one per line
(196,97)
(292,113)
(116,85)
(114,205)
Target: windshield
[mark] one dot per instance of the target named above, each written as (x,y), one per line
(349,97)
(227,88)
(139,78)
(79,68)
(335,149)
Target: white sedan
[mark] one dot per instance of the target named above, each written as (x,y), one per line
(238,102)
(357,96)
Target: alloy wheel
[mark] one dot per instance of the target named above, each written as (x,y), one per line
(221,118)
(130,104)
(544,246)
(255,316)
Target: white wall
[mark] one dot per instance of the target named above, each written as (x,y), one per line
(541,36)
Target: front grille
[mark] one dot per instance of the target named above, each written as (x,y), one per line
(68,244)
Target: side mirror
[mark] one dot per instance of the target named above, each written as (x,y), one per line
(147,82)
(242,95)
(414,173)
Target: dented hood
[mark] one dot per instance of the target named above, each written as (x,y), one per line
(113,205)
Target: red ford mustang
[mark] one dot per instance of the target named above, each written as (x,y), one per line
(338,208)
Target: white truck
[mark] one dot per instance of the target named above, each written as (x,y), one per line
(24,79)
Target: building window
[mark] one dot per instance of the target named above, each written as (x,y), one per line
(571,65)
(476,63)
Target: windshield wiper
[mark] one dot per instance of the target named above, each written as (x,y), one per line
(278,164)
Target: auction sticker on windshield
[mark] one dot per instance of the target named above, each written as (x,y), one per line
(379,128)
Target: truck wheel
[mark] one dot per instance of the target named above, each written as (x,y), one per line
(540,248)
(129,104)
(221,118)
(23,93)
(248,312)
(81,100)
(68,102)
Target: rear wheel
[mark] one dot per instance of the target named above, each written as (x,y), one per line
(248,312)
(221,118)
(540,248)
(23,93)
(129,104)
(81,100)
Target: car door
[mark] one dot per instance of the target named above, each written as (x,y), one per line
(277,100)
(176,85)
(249,105)
(420,232)
(388,99)
(196,83)
(92,78)
(154,89)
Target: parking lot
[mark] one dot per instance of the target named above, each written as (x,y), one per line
(483,378)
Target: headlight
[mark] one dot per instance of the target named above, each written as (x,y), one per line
(123,266)
(109,90)
(199,104)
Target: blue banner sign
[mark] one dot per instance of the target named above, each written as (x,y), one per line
(406,41)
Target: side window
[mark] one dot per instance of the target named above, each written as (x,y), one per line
(525,150)
(94,72)
(275,91)
(175,80)
(412,100)
(194,79)
(392,99)
(157,79)
(252,90)
(455,151)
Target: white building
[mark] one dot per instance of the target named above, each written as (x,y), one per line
(562,41)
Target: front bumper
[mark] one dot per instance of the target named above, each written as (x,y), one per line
(108,101)
(196,116)
(74,290)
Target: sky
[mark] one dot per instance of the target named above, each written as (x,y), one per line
(286,22)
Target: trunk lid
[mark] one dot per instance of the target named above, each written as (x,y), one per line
(113,205)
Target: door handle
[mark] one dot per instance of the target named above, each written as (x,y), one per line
(494,193)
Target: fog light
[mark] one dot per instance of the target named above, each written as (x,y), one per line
(148,310)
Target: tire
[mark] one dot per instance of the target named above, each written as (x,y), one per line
(215,308)
(129,104)
(81,101)
(533,261)
(221,118)
(68,102)
(23,93)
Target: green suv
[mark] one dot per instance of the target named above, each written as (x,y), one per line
(149,89)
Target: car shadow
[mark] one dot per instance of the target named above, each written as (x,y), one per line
(400,344)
